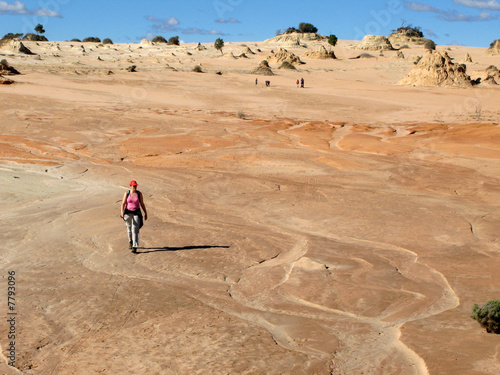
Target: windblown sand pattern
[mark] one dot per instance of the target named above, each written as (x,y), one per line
(344,228)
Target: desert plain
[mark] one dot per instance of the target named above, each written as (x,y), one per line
(346,227)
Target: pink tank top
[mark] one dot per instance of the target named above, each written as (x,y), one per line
(133,202)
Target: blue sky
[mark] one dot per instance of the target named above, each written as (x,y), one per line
(465,22)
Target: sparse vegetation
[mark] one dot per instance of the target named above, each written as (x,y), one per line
(219,43)
(488,316)
(197,69)
(10,36)
(76,40)
(39,29)
(332,39)
(92,39)
(429,44)
(107,41)
(159,39)
(409,30)
(241,114)
(304,27)
(174,40)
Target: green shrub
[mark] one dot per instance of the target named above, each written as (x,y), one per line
(159,39)
(219,43)
(409,30)
(39,29)
(75,40)
(10,36)
(107,41)
(429,44)
(174,40)
(305,27)
(488,316)
(92,39)
(197,69)
(332,39)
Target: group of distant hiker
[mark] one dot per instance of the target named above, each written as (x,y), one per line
(133,201)
(300,83)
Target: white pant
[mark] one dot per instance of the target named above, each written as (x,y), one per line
(132,222)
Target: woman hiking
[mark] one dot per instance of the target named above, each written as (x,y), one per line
(132,215)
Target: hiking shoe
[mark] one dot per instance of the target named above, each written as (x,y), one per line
(134,250)
(130,244)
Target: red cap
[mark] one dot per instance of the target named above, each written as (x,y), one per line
(133,183)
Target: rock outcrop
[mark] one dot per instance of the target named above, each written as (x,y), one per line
(374,43)
(15,45)
(5,81)
(437,69)
(401,39)
(283,55)
(287,65)
(199,47)
(263,69)
(299,38)
(494,48)
(247,51)
(468,58)
(322,53)
(6,69)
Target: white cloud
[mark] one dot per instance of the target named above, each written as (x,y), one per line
(450,15)
(419,7)
(479,4)
(19,8)
(195,30)
(169,24)
(172,21)
(230,20)
(453,16)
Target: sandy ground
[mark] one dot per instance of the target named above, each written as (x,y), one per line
(344,228)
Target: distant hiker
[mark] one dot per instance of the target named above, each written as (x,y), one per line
(256,81)
(302,82)
(268,83)
(132,215)
(297,83)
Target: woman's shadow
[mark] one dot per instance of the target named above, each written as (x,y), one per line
(169,248)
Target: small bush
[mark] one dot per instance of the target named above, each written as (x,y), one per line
(76,40)
(159,39)
(332,39)
(241,114)
(92,39)
(107,41)
(174,41)
(305,27)
(488,316)
(429,44)
(197,69)
(219,43)
(10,36)
(409,30)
